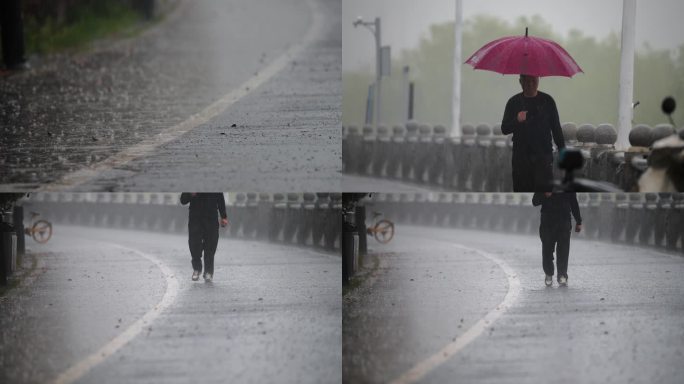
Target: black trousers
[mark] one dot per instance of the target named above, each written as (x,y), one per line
(203,238)
(556,235)
(532,172)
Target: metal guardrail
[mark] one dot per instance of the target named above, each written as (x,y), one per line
(480,160)
(303,219)
(643,219)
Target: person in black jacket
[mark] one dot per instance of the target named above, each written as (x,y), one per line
(554,230)
(203,226)
(532,117)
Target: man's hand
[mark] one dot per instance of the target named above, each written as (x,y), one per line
(224,222)
(522,116)
(548,194)
(578,228)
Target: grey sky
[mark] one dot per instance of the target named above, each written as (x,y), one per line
(659,22)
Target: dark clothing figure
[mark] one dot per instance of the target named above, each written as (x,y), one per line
(532,172)
(12,31)
(555,227)
(203,225)
(532,151)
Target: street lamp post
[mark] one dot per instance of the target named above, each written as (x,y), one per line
(456,96)
(626,93)
(374,27)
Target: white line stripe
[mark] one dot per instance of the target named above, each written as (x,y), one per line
(82,367)
(421,369)
(150,144)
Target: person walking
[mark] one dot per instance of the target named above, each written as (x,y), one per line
(532,117)
(554,231)
(203,227)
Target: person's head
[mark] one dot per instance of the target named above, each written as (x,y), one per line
(529,85)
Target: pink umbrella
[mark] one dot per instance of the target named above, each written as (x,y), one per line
(524,55)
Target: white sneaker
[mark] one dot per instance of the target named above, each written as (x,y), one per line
(195,275)
(207,277)
(563,280)
(549,280)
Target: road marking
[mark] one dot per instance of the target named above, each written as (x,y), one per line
(148,145)
(419,370)
(82,367)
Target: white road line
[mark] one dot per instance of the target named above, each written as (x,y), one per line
(82,367)
(419,370)
(147,146)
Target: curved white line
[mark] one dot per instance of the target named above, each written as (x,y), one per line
(82,367)
(419,370)
(150,144)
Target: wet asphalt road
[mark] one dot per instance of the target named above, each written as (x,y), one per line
(620,320)
(272,314)
(76,110)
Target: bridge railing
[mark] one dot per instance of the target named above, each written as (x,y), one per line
(480,160)
(304,219)
(643,219)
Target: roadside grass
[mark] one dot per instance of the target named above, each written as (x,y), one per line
(26,270)
(11,284)
(87,23)
(363,274)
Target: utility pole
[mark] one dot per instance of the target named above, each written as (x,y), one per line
(456,96)
(626,95)
(375,28)
(405,88)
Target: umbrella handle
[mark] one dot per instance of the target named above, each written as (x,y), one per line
(525,31)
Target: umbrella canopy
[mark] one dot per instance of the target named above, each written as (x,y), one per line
(524,55)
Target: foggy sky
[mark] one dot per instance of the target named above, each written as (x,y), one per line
(659,22)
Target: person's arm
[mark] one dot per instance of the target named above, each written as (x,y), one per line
(221,202)
(221,205)
(556,130)
(185,197)
(574,207)
(510,118)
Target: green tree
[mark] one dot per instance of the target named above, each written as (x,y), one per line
(589,97)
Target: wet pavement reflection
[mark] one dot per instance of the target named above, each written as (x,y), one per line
(272,313)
